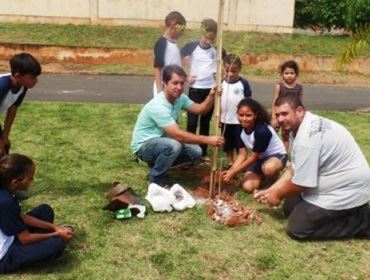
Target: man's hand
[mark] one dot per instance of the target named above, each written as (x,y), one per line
(215,141)
(268,196)
(215,90)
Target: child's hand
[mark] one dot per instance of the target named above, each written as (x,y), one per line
(65,233)
(227,176)
(191,79)
(275,124)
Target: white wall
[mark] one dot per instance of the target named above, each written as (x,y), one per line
(252,15)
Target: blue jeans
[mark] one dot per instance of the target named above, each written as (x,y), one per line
(162,152)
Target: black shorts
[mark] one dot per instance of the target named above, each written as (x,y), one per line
(231,135)
(257,166)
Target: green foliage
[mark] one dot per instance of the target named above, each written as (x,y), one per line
(358,14)
(358,41)
(324,13)
(329,14)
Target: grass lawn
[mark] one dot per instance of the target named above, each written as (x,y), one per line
(145,37)
(80,148)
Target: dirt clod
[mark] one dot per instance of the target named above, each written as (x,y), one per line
(225,210)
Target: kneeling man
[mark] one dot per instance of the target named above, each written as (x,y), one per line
(157,139)
(327,187)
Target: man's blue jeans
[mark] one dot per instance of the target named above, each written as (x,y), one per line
(162,152)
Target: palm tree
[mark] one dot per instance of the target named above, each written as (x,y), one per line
(358,40)
(358,22)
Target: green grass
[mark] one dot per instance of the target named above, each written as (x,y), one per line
(144,38)
(80,148)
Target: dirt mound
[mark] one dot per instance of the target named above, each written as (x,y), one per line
(225,210)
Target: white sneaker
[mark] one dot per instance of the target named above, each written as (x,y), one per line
(183,199)
(159,198)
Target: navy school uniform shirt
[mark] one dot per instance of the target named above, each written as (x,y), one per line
(262,139)
(10,220)
(166,52)
(10,96)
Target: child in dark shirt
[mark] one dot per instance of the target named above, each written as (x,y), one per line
(25,238)
(13,87)
(166,51)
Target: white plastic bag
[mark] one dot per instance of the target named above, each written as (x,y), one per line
(160,198)
(183,199)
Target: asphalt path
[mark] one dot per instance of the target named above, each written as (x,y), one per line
(138,90)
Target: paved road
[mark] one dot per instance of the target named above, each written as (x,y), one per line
(125,89)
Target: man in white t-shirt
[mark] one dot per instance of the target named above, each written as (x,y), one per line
(328,184)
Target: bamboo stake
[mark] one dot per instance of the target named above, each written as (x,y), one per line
(220,22)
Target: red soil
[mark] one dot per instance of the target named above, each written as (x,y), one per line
(223,208)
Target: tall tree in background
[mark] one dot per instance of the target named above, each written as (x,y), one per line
(353,16)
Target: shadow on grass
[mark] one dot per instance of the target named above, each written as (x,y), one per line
(64,264)
(70,188)
(273,213)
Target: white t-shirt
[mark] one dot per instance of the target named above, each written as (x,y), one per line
(166,52)
(264,140)
(328,162)
(232,94)
(202,64)
(5,242)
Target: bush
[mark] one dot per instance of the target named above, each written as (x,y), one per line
(329,14)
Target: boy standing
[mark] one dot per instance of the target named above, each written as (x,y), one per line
(203,63)
(13,87)
(166,51)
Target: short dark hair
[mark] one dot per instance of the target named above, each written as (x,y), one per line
(233,59)
(13,166)
(263,116)
(289,64)
(168,70)
(24,63)
(174,17)
(209,25)
(292,100)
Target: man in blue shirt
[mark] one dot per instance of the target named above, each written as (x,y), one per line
(157,139)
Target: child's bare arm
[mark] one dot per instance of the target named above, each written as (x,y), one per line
(26,237)
(9,119)
(157,77)
(37,223)
(274,97)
